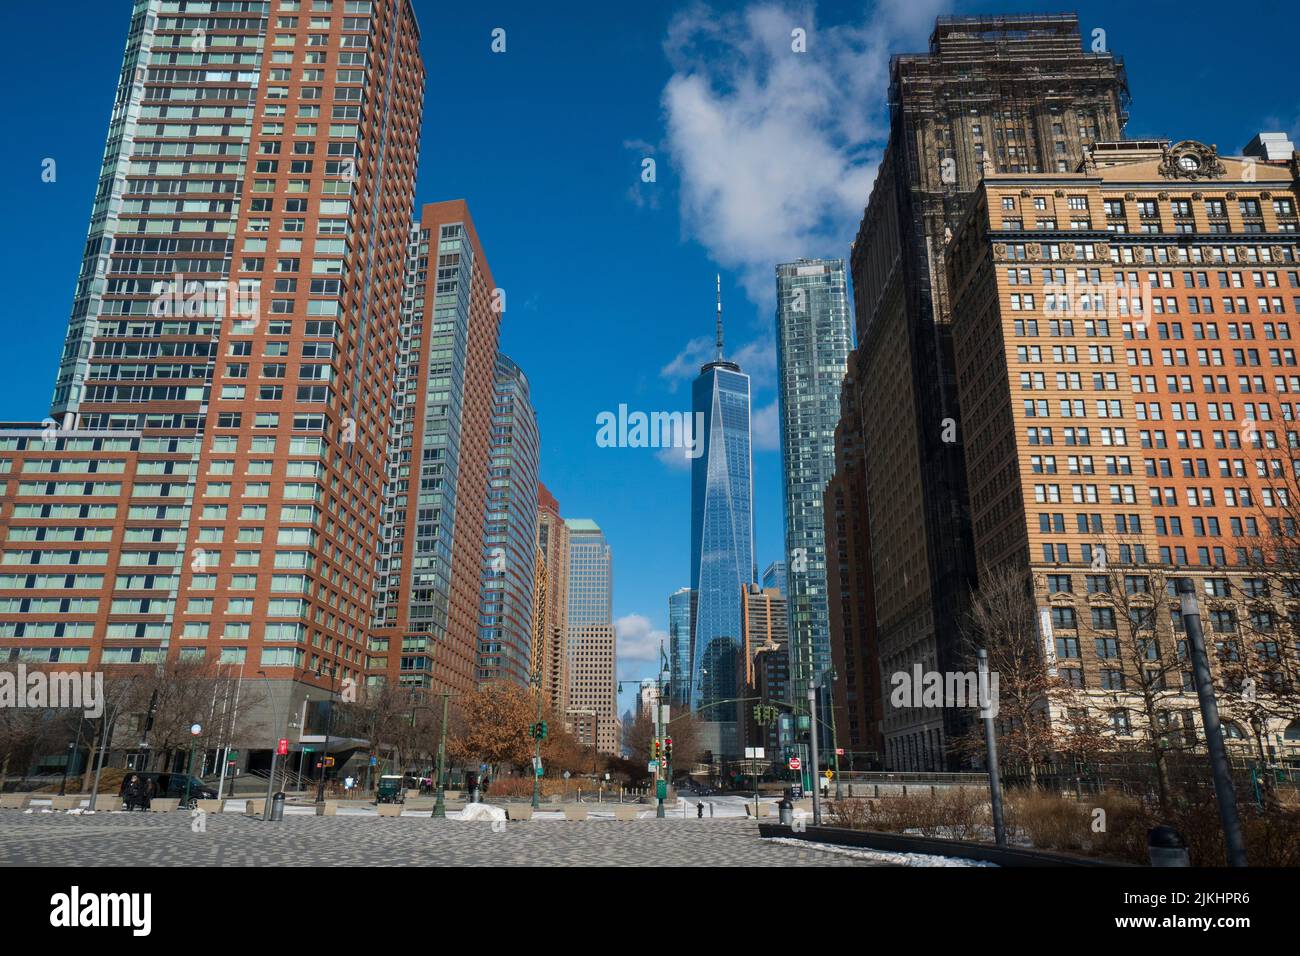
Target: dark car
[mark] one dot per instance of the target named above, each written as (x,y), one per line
(172,785)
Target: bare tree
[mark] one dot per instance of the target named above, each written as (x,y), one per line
(1039,714)
(1142,658)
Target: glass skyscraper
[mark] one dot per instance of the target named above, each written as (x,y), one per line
(722,536)
(505,632)
(679,645)
(812,346)
(774,577)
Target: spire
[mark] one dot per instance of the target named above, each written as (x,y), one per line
(719,280)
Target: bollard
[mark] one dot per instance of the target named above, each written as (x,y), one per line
(277,806)
(1166,847)
(699,811)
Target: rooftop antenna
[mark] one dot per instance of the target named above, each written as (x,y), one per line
(719,280)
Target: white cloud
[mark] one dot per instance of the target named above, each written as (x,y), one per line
(638,639)
(675,457)
(757,359)
(686,363)
(765,428)
(776,150)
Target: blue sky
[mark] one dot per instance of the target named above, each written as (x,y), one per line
(761,155)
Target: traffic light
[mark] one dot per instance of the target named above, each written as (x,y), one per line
(656,749)
(668,748)
(542,725)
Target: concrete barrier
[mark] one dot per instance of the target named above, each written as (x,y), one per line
(67,802)
(326,808)
(410,794)
(211,806)
(164,804)
(15,801)
(575,811)
(519,811)
(253,808)
(626,812)
(390,809)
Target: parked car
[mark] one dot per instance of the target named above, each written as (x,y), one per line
(171,785)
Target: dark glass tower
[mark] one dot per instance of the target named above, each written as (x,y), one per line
(722,537)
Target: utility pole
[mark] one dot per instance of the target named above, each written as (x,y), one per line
(812,741)
(1224,791)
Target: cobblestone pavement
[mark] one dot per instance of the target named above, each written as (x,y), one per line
(168,839)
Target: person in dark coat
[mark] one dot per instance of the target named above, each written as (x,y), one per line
(132,792)
(150,790)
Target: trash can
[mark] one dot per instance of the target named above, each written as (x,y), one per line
(1166,847)
(785,807)
(277,806)
(472,787)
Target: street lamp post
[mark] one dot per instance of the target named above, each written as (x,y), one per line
(329,727)
(439,803)
(73,750)
(812,741)
(275,751)
(1223,788)
(195,730)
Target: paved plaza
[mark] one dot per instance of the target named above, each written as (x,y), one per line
(229,839)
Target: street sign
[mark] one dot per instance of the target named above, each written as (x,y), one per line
(566,775)
(196,729)
(232,754)
(754,753)
(308,750)
(653,766)
(795,763)
(374,761)
(537,766)
(829,774)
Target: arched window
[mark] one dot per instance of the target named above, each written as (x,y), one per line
(1233,731)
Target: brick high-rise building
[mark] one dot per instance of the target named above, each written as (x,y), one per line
(233,335)
(551,606)
(1007,93)
(765,672)
(426,619)
(857,696)
(1125,342)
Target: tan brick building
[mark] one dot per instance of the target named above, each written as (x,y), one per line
(1125,347)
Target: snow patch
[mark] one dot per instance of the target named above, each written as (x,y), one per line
(882,856)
